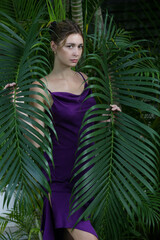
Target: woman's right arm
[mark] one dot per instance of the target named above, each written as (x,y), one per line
(40,90)
(36,105)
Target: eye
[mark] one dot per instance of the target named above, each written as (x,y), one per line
(69,46)
(80,46)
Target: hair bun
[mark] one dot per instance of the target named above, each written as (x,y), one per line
(53,24)
(59,31)
(52,27)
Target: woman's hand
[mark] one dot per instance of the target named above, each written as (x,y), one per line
(12,87)
(114,108)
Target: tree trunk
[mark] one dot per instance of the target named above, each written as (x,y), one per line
(99,19)
(77,14)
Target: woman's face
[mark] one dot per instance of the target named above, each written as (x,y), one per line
(70,52)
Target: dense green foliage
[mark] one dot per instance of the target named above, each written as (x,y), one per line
(123,152)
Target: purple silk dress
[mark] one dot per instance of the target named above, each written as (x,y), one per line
(68,111)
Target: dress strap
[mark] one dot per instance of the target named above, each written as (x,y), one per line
(49,90)
(82,76)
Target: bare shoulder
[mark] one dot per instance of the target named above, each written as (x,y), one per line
(84,75)
(40,86)
(39,91)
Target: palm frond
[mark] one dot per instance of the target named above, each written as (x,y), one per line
(8,236)
(89,8)
(23,60)
(26,222)
(117,159)
(56,10)
(22,11)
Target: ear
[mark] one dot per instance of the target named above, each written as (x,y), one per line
(53,47)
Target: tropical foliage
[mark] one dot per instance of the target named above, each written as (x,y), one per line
(26,224)
(23,59)
(153,20)
(123,152)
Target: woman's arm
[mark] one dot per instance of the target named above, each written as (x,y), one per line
(34,104)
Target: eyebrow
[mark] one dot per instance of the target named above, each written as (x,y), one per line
(74,43)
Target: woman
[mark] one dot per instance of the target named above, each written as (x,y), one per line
(67,91)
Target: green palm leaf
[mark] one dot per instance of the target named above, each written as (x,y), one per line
(89,8)
(22,10)
(8,236)
(120,156)
(23,60)
(27,223)
(56,10)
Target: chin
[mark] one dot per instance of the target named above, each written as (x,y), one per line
(73,64)
(70,64)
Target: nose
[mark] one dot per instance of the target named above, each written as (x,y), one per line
(76,51)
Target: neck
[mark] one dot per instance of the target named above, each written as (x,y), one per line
(62,71)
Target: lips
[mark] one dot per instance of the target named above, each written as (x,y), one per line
(74,60)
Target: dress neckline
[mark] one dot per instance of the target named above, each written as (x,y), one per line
(69,93)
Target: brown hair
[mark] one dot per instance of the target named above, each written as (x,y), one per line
(59,31)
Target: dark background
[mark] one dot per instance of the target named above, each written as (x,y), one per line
(141,17)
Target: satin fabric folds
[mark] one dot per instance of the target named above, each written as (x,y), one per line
(68,111)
